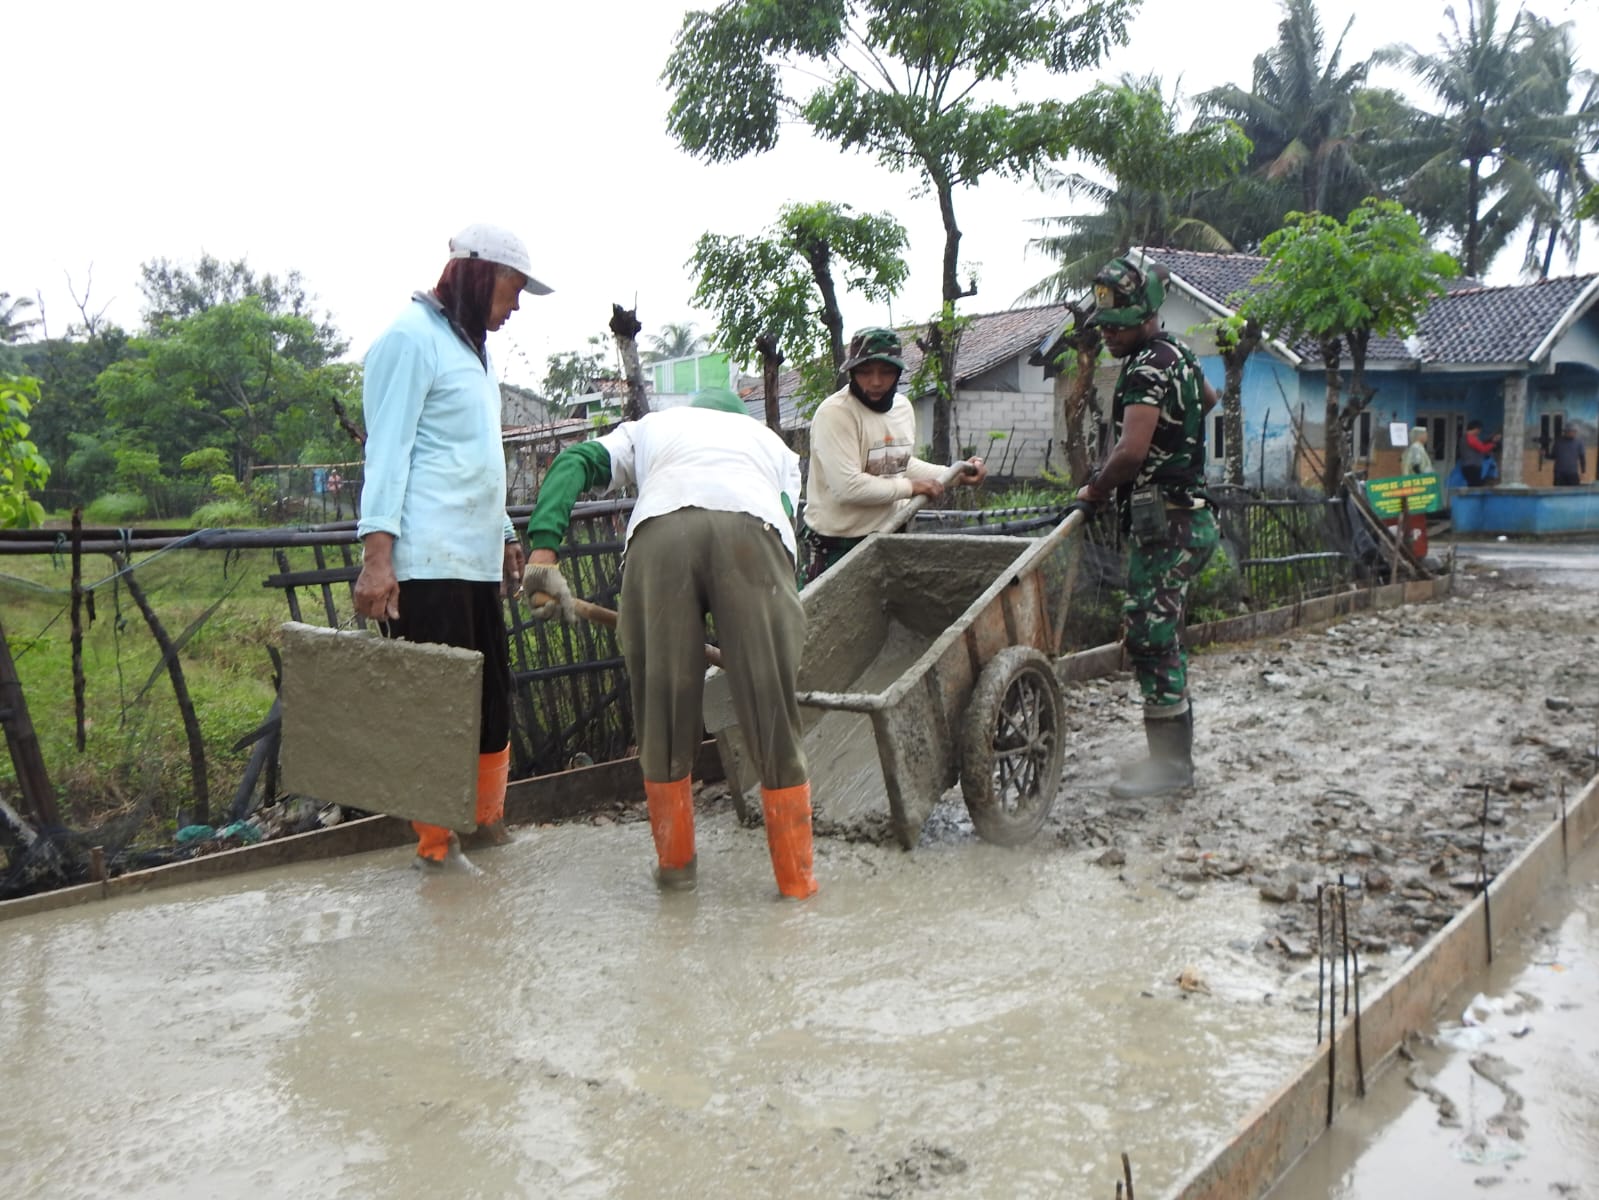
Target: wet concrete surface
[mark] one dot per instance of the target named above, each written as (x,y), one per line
(965,1019)
(1501,1098)
(969,1019)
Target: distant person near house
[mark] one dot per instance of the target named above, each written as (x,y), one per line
(1570,458)
(1476,455)
(1416,460)
(335,481)
(438,549)
(862,462)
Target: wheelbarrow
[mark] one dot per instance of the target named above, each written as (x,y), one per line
(945,645)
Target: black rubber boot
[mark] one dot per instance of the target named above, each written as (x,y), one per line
(1170,765)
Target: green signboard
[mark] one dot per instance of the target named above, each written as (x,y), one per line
(1410,493)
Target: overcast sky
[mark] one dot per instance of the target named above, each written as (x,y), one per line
(348,141)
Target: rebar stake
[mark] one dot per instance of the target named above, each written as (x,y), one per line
(1343,923)
(1127,1173)
(1360,1058)
(1482,876)
(1565,854)
(1321,965)
(1332,1043)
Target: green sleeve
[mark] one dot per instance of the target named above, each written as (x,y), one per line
(576,470)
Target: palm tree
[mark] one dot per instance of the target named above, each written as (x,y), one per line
(1130,132)
(1125,217)
(1301,115)
(674,341)
(1557,151)
(1504,150)
(12,325)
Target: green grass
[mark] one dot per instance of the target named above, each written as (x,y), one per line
(136,752)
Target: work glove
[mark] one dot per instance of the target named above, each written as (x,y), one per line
(1087,507)
(546,593)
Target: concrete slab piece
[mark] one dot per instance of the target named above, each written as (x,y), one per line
(382,724)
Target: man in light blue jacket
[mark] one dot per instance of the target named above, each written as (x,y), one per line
(438,548)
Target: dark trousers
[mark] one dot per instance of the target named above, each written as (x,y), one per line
(458,612)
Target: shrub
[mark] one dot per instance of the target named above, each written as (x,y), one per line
(117,508)
(1217,591)
(223,512)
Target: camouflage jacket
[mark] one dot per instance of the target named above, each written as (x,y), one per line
(1165,373)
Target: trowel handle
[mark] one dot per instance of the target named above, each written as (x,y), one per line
(903,517)
(599,615)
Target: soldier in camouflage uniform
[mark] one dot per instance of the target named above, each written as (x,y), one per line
(1155,473)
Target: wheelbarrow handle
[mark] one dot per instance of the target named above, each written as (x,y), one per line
(903,517)
(600,615)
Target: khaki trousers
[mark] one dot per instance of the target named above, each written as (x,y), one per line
(681,567)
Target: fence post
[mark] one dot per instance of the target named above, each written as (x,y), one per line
(37,795)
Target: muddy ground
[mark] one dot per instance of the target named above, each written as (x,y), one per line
(967,1019)
(1396,750)
(1403,753)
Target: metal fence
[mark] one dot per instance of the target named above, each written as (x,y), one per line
(571,702)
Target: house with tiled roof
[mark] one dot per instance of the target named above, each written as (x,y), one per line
(1520,358)
(1004,407)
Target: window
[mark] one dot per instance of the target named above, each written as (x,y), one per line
(1438,437)
(1218,438)
(1549,427)
(1363,435)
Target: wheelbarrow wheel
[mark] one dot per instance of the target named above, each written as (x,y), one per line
(1013,749)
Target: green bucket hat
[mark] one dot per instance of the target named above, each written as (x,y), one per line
(1124,295)
(875,343)
(721,399)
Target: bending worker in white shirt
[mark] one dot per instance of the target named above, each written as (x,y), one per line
(711,534)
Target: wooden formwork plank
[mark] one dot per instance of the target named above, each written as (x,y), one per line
(543,798)
(1275,1134)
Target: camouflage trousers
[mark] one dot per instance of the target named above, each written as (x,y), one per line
(818,552)
(1157,599)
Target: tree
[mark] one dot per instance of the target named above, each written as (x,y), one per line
(570,374)
(1300,115)
(22,468)
(1479,162)
(1558,147)
(902,80)
(69,415)
(233,375)
(1130,132)
(780,289)
(1237,338)
(13,325)
(674,341)
(173,291)
(1588,208)
(1339,283)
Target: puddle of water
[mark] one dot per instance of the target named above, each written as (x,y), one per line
(958,1017)
(1528,1022)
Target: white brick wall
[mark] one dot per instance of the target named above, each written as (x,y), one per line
(1027,419)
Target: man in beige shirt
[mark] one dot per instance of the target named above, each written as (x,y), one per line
(863,465)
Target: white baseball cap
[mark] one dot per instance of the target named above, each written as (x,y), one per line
(498,245)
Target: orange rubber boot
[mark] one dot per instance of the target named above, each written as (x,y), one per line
(671,807)
(433,842)
(788,837)
(493,771)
